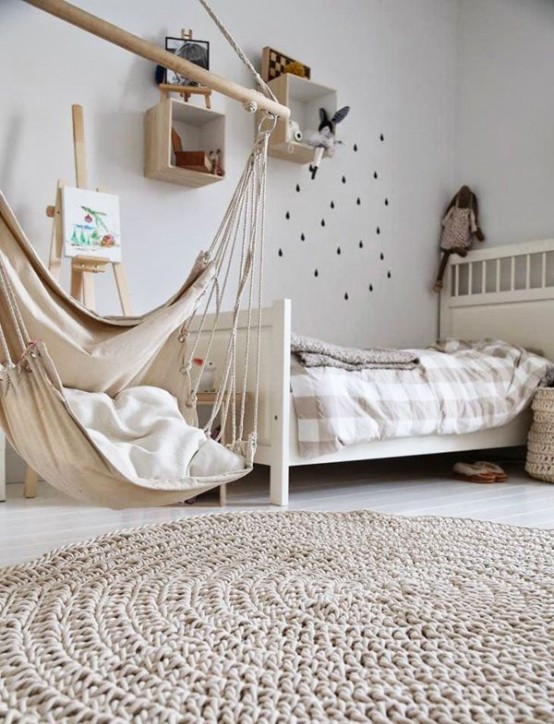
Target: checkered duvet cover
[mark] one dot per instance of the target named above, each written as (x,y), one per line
(459,387)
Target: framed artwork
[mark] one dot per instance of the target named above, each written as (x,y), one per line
(275,63)
(91,224)
(195,51)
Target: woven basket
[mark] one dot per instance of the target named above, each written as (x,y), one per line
(540,444)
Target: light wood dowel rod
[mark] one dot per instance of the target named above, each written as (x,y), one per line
(150,51)
(79,146)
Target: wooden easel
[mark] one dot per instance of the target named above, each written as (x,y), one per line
(186,91)
(167,88)
(83,268)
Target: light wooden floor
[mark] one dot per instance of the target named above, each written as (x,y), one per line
(29,528)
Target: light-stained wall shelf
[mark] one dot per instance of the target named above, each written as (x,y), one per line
(201,129)
(304,98)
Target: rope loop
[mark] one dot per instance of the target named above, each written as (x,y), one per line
(267,118)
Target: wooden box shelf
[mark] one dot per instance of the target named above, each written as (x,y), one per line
(200,129)
(304,98)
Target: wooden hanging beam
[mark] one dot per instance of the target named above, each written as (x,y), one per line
(116,35)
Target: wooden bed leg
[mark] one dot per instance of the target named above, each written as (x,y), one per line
(31,480)
(279,484)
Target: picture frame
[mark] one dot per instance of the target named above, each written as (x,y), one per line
(274,63)
(195,51)
(91,224)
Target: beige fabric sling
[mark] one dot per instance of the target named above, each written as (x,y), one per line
(50,342)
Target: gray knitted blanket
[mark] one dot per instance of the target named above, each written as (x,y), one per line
(312,352)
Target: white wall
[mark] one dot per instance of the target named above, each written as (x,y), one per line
(505,115)
(393,61)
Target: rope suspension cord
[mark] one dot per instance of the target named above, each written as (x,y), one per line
(245,219)
(238,50)
(116,35)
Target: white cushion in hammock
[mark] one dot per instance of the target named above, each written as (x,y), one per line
(142,434)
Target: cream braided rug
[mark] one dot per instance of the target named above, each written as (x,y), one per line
(284,617)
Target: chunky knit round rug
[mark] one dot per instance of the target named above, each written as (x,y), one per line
(284,617)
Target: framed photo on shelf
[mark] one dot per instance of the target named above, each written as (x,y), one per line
(195,51)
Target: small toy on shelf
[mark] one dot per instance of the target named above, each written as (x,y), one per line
(296,68)
(325,140)
(216,163)
(194,161)
(295,133)
(208,375)
(204,161)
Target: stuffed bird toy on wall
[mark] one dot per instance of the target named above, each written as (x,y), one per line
(325,141)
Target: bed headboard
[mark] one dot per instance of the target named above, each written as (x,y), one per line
(506,292)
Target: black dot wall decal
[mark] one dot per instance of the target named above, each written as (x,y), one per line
(316,273)
(371,287)
(378,230)
(322,222)
(361,244)
(344,179)
(382,257)
(287,215)
(332,204)
(280,252)
(382,137)
(346,297)
(358,201)
(339,251)
(355,147)
(375,175)
(386,202)
(389,275)
(298,188)
(302,237)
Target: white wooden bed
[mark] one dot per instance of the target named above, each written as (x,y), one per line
(503,292)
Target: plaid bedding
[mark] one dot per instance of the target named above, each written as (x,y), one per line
(459,387)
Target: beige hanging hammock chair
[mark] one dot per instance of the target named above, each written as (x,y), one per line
(105,408)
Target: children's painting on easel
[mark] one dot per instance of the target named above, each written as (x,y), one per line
(91,224)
